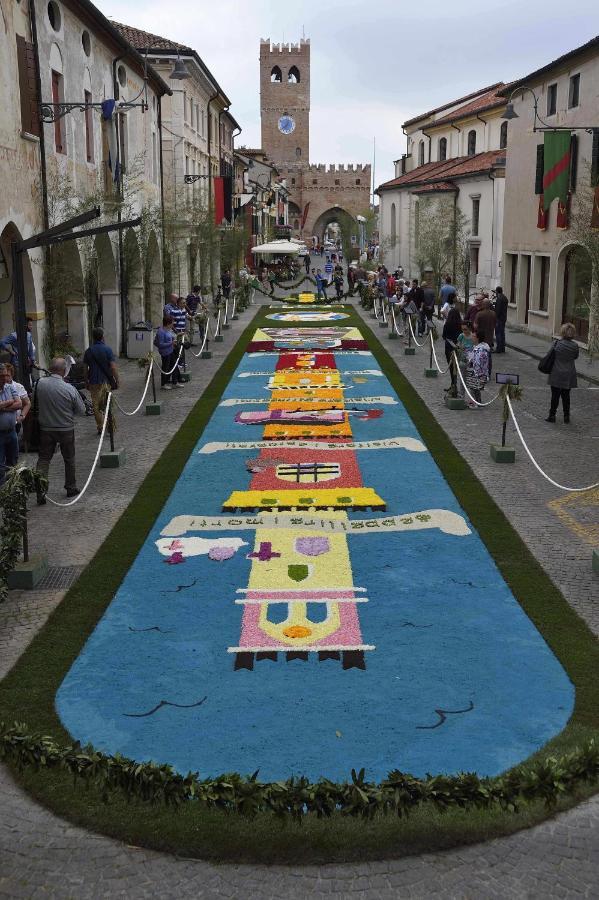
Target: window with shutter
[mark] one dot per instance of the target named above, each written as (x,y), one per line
(595,159)
(573,162)
(30,121)
(539,170)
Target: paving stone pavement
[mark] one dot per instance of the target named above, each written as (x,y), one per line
(44,856)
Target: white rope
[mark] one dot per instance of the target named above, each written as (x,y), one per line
(478,403)
(95,463)
(375,307)
(414,336)
(556,484)
(226,319)
(143,396)
(441,371)
(394,324)
(201,350)
(384,314)
(176,364)
(217,328)
(234,308)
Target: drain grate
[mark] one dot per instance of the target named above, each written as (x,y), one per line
(59,578)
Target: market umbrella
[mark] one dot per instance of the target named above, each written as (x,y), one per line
(277,247)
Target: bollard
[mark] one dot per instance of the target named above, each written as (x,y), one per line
(31,569)
(155,407)
(112,459)
(500,453)
(409,350)
(431,372)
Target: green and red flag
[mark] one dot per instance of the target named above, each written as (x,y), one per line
(556,167)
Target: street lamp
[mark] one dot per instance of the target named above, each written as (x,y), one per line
(510,113)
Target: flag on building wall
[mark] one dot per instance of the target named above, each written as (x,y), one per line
(219,200)
(542,215)
(305,215)
(563,214)
(595,214)
(228,198)
(556,168)
(108,107)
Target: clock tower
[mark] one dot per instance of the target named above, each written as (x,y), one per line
(285,102)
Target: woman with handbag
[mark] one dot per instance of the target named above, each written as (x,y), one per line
(562,371)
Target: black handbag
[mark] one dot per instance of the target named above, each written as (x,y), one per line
(547,363)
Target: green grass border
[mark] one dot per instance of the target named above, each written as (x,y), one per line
(27,693)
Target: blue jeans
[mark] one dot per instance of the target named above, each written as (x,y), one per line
(9,451)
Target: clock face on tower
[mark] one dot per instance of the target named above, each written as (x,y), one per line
(286,124)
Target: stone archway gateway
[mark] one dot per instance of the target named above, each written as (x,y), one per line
(9,234)
(577,289)
(333,216)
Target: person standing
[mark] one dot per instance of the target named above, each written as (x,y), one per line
(24,396)
(11,344)
(328,267)
(321,285)
(562,377)
(165,342)
(226,283)
(452,329)
(307,263)
(427,309)
(57,404)
(447,291)
(100,369)
(477,375)
(10,404)
(464,345)
(501,304)
(484,323)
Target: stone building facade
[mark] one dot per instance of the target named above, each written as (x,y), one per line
(319,194)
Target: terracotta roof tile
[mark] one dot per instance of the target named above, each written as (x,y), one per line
(440,172)
(436,187)
(490,100)
(143,39)
(443,106)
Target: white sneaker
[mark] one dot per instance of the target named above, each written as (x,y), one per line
(178,384)
(167,387)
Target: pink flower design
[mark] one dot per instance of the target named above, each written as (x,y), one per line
(220,554)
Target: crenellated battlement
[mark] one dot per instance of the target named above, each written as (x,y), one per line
(337,168)
(268,47)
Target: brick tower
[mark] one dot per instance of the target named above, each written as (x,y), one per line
(285,102)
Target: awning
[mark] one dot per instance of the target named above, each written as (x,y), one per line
(243,199)
(283,247)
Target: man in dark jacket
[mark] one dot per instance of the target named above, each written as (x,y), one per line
(501,302)
(484,323)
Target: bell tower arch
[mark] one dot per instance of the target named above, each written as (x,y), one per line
(285,102)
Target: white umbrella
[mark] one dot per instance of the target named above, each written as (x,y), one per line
(284,247)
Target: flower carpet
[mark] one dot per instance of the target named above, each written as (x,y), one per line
(312,597)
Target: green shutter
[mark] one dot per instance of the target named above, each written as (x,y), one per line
(595,159)
(540,169)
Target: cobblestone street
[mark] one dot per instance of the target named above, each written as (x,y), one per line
(41,855)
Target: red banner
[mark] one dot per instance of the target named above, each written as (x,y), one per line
(542,214)
(219,200)
(563,214)
(305,215)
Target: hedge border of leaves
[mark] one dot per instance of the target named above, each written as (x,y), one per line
(20,482)
(546,780)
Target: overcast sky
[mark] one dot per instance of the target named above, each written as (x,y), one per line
(373,65)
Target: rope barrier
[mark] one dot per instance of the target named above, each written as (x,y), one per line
(95,462)
(478,403)
(201,350)
(414,336)
(394,325)
(556,484)
(143,396)
(226,319)
(176,364)
(440,370)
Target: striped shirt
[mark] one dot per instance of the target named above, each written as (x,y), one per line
(179,317)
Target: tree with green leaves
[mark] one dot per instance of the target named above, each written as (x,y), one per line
(440,241)
(586,237)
